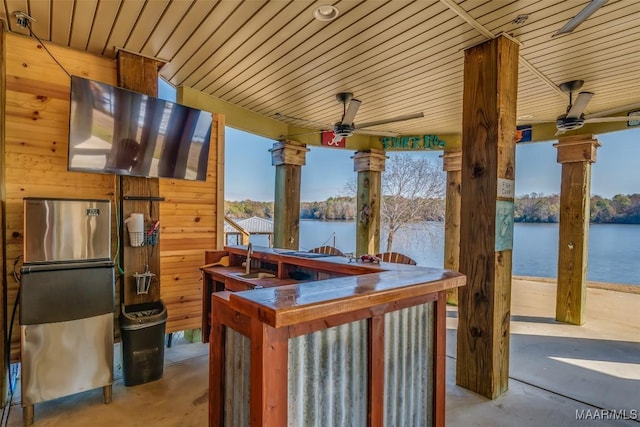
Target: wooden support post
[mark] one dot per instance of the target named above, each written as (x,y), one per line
(369,165)
(452,164)
(288,157)
(440,359)
(576,154)
(486,227)
(139,74)
(376,371)
(269,375)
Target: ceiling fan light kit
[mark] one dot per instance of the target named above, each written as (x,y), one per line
(346,127)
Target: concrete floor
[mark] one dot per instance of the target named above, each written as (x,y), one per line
(555,370)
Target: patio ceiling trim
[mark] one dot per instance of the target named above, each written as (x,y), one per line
(485,32)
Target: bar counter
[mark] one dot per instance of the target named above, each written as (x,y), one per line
(324,340)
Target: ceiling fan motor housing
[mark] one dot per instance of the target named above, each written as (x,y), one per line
(565,123)
(343,130)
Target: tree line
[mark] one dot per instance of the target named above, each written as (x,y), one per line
(620,209)
(531,208)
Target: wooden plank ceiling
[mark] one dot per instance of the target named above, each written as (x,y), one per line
(397,57)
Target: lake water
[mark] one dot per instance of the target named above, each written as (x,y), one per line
(614,249)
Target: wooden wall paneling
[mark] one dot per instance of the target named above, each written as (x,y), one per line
(36,109)
(4,295)
(486,226)
(189,226)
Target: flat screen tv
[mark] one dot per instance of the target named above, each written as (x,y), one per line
(114,130)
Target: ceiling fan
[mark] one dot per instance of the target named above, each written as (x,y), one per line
(574,118)
(346,126)
(582,16)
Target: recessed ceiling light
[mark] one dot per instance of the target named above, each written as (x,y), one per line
(520,19)
(326,13)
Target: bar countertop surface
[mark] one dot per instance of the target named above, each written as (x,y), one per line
(366,285)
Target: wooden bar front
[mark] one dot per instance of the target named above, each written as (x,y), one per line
(327,340)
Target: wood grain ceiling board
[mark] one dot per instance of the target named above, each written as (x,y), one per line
(180,35)
(106,14)
(61,18)
(206,31)
(398,39)
(147,22)
(247,36)
(323,41)
(274,46)
(83,18)
(123,26)
(167,24)
(397,57)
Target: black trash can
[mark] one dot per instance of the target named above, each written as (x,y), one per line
(142,329)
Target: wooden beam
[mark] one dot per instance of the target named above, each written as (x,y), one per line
(369,165)
(139,74)
(269,375)
(375,371)
(486,228)
(440,359)
(288,157)
(452,164)
(576,154)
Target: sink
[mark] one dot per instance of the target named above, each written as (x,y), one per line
(306,254)
(257,275)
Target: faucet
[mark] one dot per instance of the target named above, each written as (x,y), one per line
(248,262)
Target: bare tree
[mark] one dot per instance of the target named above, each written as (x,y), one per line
(412,189)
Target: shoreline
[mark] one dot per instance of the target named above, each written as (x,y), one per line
(617,287)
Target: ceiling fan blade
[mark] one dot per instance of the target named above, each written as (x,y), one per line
(578,107)
(611,119)
(350,114)
(580,17)
(375,132)
(535,121)
(391,120)
(317,124)
(608,119)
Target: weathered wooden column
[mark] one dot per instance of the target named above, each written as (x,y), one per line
(138,195)
(452,164)
(288,157)
(576,153)
(369,165)
(486,227)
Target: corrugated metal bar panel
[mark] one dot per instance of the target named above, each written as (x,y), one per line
(326,382)
(237,362)
(408,382)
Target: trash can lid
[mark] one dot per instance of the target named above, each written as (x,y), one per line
(137,316)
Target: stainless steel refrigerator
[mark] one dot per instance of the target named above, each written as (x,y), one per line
(67,300)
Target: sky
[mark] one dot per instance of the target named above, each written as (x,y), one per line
(249,174)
